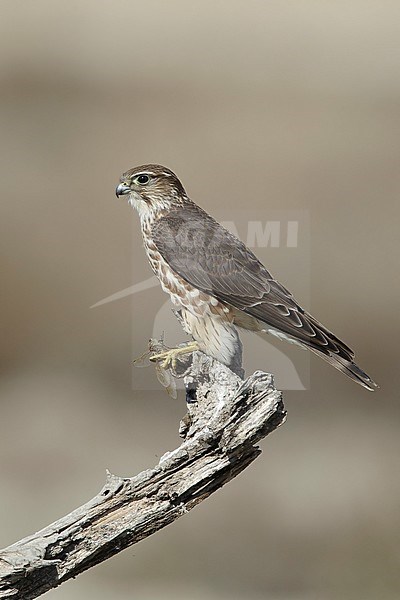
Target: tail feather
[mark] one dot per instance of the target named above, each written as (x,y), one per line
(328,346)
(349,368)
(338,354)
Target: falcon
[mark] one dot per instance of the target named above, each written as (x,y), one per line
(216,283)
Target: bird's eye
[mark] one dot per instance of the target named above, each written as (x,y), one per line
(142,179)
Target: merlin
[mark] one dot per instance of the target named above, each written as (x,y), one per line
(216,283)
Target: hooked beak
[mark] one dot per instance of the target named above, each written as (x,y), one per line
(122,189)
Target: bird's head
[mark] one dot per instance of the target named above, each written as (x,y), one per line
(151,189)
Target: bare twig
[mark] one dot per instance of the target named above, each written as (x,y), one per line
(220,432)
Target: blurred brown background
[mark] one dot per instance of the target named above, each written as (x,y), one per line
(267,105)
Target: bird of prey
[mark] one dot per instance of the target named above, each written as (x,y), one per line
(215,281)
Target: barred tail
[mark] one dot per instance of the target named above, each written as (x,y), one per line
(349,368)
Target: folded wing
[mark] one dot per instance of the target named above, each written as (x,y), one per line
(214,261)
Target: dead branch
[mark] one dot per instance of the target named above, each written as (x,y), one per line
(220,434)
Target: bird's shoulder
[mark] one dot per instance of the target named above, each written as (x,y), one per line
(191,229)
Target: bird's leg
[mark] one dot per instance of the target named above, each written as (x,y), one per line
(169,356)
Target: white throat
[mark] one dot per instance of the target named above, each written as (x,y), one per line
(147,211)
(144,210)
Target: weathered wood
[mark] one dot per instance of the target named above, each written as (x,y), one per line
(220,434)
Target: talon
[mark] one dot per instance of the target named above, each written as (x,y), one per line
(169,357)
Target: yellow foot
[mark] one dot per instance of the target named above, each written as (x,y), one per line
(169,356)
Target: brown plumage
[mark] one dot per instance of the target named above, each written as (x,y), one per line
(216,281)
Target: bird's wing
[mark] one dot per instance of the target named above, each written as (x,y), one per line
(211,259)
